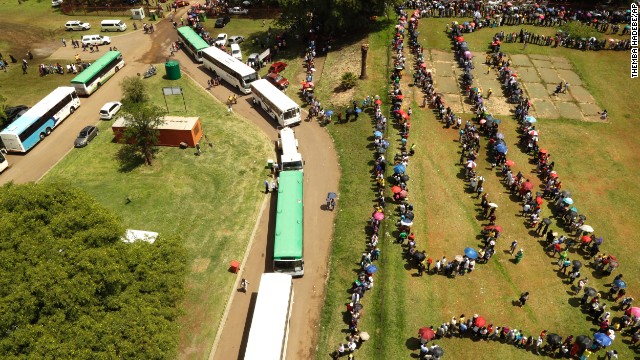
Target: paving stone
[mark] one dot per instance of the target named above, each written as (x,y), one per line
(570,77)
(498,105)
(569,110)
(545,109)
(581,94)
(549,76)
(443,68)
(537,91)
(437,55)
(448,85)
(528,74)
(542,64)
(538,57)
(589,109)
(455,102)
(520,60)
(559,60)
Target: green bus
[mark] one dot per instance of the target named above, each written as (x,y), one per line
(193,43)
(288,244)
(98,73)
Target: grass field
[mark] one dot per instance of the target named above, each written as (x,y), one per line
(211,201)
(596,162)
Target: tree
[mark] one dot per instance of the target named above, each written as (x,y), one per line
(140,135)
(134,90)
(70,288)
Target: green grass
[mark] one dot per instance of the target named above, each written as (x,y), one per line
(211,201)
(596,162)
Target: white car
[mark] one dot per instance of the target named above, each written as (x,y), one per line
(221,40)
(236,39)
(96,40)
(109,110)
(77,25)
(56,3)
(238,10)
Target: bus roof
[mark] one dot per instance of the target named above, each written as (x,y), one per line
(24,121)
(192,37)
(89,72)
(288,142)
(277,97)
(289,218)
(230,61)
(270,318)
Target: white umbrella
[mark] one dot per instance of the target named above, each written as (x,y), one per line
(586,228)
(493,205)
(364,336)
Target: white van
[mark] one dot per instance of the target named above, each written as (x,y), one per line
(113,25)
(235,51)
(96,40)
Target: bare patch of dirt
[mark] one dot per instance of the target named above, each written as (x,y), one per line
(347,61)
(200,265)
(22,38)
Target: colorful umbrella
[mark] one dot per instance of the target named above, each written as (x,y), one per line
(586,228)
(568,201)
(483,121)
(406,222)
(471,164)
(493,227)
(371,269)
(403,194)
(533,133)
(585,239)
(377,134)
(396,189)
(378,102)
(539,200)
(634,311)
(530,119)
(501,148)
(620,284)
(509,162)
(471,253)
(328,112)
(426,333)
(378,216)
(527,186)
(602,339)
(399,169)
(480,321)
(543,151)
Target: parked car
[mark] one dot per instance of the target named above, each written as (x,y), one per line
(56,3)
(238,11)
(77,25)
(221,40)
(277,67)
(222,22)
(181,3)
(278,80)
(86,135)
(110,109)
(96,40)
(236,39)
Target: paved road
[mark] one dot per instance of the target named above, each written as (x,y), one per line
(321,177)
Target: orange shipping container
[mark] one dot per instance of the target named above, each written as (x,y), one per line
(172,132)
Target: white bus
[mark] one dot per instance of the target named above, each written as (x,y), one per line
(228,68)
(91,78)
(281,108)
(4,164)
(38,122)
(269,330)
(290,158)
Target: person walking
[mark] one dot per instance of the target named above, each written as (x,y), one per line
(514,244)
(266,186)
(64,42)
(523,298)
(519,256)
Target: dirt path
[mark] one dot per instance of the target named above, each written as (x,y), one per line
(321,176)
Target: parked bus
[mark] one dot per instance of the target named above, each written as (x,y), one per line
(38,122)
(228,68)
(193,43)
(281,108)
(290,158)
(288,245)
(4,164)
(98,73)
(269,330)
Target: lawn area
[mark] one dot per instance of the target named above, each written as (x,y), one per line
(596,162)
(211,201)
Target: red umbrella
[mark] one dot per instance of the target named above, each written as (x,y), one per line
(424,65)
(543,151)
(378,216)
(480,321)
(405,115)
(401,112)
(493,227)
(527,186)
(400,97)
(460,39)
(396,189)
(634,311)
(586,239)
(403,194)
(426,333)
(378,102)
(510,162)
(539,200)
(473,24)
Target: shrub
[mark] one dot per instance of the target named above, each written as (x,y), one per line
(348,80)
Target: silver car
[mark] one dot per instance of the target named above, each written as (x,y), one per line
(86,135)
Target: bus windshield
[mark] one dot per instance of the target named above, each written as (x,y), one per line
(287,266)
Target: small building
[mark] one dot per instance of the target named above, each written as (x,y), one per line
(174,131)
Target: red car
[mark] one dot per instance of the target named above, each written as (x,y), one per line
(278,80)
(277,67)
(181,3)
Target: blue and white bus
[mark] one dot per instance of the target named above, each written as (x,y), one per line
(38,122)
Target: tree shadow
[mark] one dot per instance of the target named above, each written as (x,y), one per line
(128,159)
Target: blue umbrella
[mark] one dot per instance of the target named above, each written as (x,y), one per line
(471,253)
(358,110)
(620,283)
(501,148)
(574,209)
(466,23)
(377,134)
(568,201)
(602,339)
(371,269)
(530,119)
(328,112)
(399,169)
